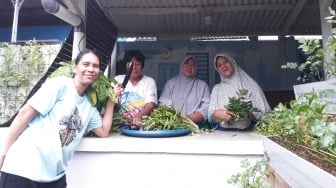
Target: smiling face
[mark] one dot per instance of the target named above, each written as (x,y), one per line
(86,69)
(189,68)
(224,67)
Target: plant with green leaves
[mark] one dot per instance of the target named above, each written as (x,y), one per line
(98,92)
(278,122)
(20,68)
(294,121)
(240,106)
(118,121)
(315,68)
(324,133)
(166,117)
(304,124)
(253,176)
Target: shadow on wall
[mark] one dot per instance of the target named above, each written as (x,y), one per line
(276,97)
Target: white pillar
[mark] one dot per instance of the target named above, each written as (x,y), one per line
(17,5)
(79,42)
(326,29)
(79,39)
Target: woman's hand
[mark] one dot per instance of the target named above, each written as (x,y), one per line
(118,90)
(223,114)
(136,120)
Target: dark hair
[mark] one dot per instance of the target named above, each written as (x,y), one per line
(83,52)
(137,54)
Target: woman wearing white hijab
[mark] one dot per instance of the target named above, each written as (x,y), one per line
(233,78)
(187,93)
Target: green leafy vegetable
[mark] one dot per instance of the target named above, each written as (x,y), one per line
(98,92)
(166,117)
(240,106)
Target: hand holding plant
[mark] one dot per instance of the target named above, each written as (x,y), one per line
(240,106)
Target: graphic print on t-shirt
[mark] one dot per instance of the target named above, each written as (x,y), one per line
(69,126)
(131,104)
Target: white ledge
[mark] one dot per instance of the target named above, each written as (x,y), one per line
(220,142)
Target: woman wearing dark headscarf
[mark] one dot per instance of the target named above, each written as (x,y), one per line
(187,93)
(233,78)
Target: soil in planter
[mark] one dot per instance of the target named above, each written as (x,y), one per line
(314,158)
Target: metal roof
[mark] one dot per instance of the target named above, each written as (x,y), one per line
(175,19)
(186,18)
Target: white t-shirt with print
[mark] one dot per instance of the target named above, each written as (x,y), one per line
(136,96)
(41,153)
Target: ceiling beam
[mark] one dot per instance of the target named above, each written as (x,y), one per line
(194,10)
(187,36)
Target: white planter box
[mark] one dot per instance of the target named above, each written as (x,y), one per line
(326,90)
(297,172)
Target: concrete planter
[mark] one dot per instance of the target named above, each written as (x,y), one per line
(294,170)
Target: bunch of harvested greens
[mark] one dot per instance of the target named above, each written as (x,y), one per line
(98,92)
(166,117)
(240,106)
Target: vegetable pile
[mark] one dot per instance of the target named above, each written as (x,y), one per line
(118,121)
(166,117)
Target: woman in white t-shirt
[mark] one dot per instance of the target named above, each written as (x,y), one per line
(140,94)
(47,129)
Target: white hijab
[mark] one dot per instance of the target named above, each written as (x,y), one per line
(186,94)
(240,80)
